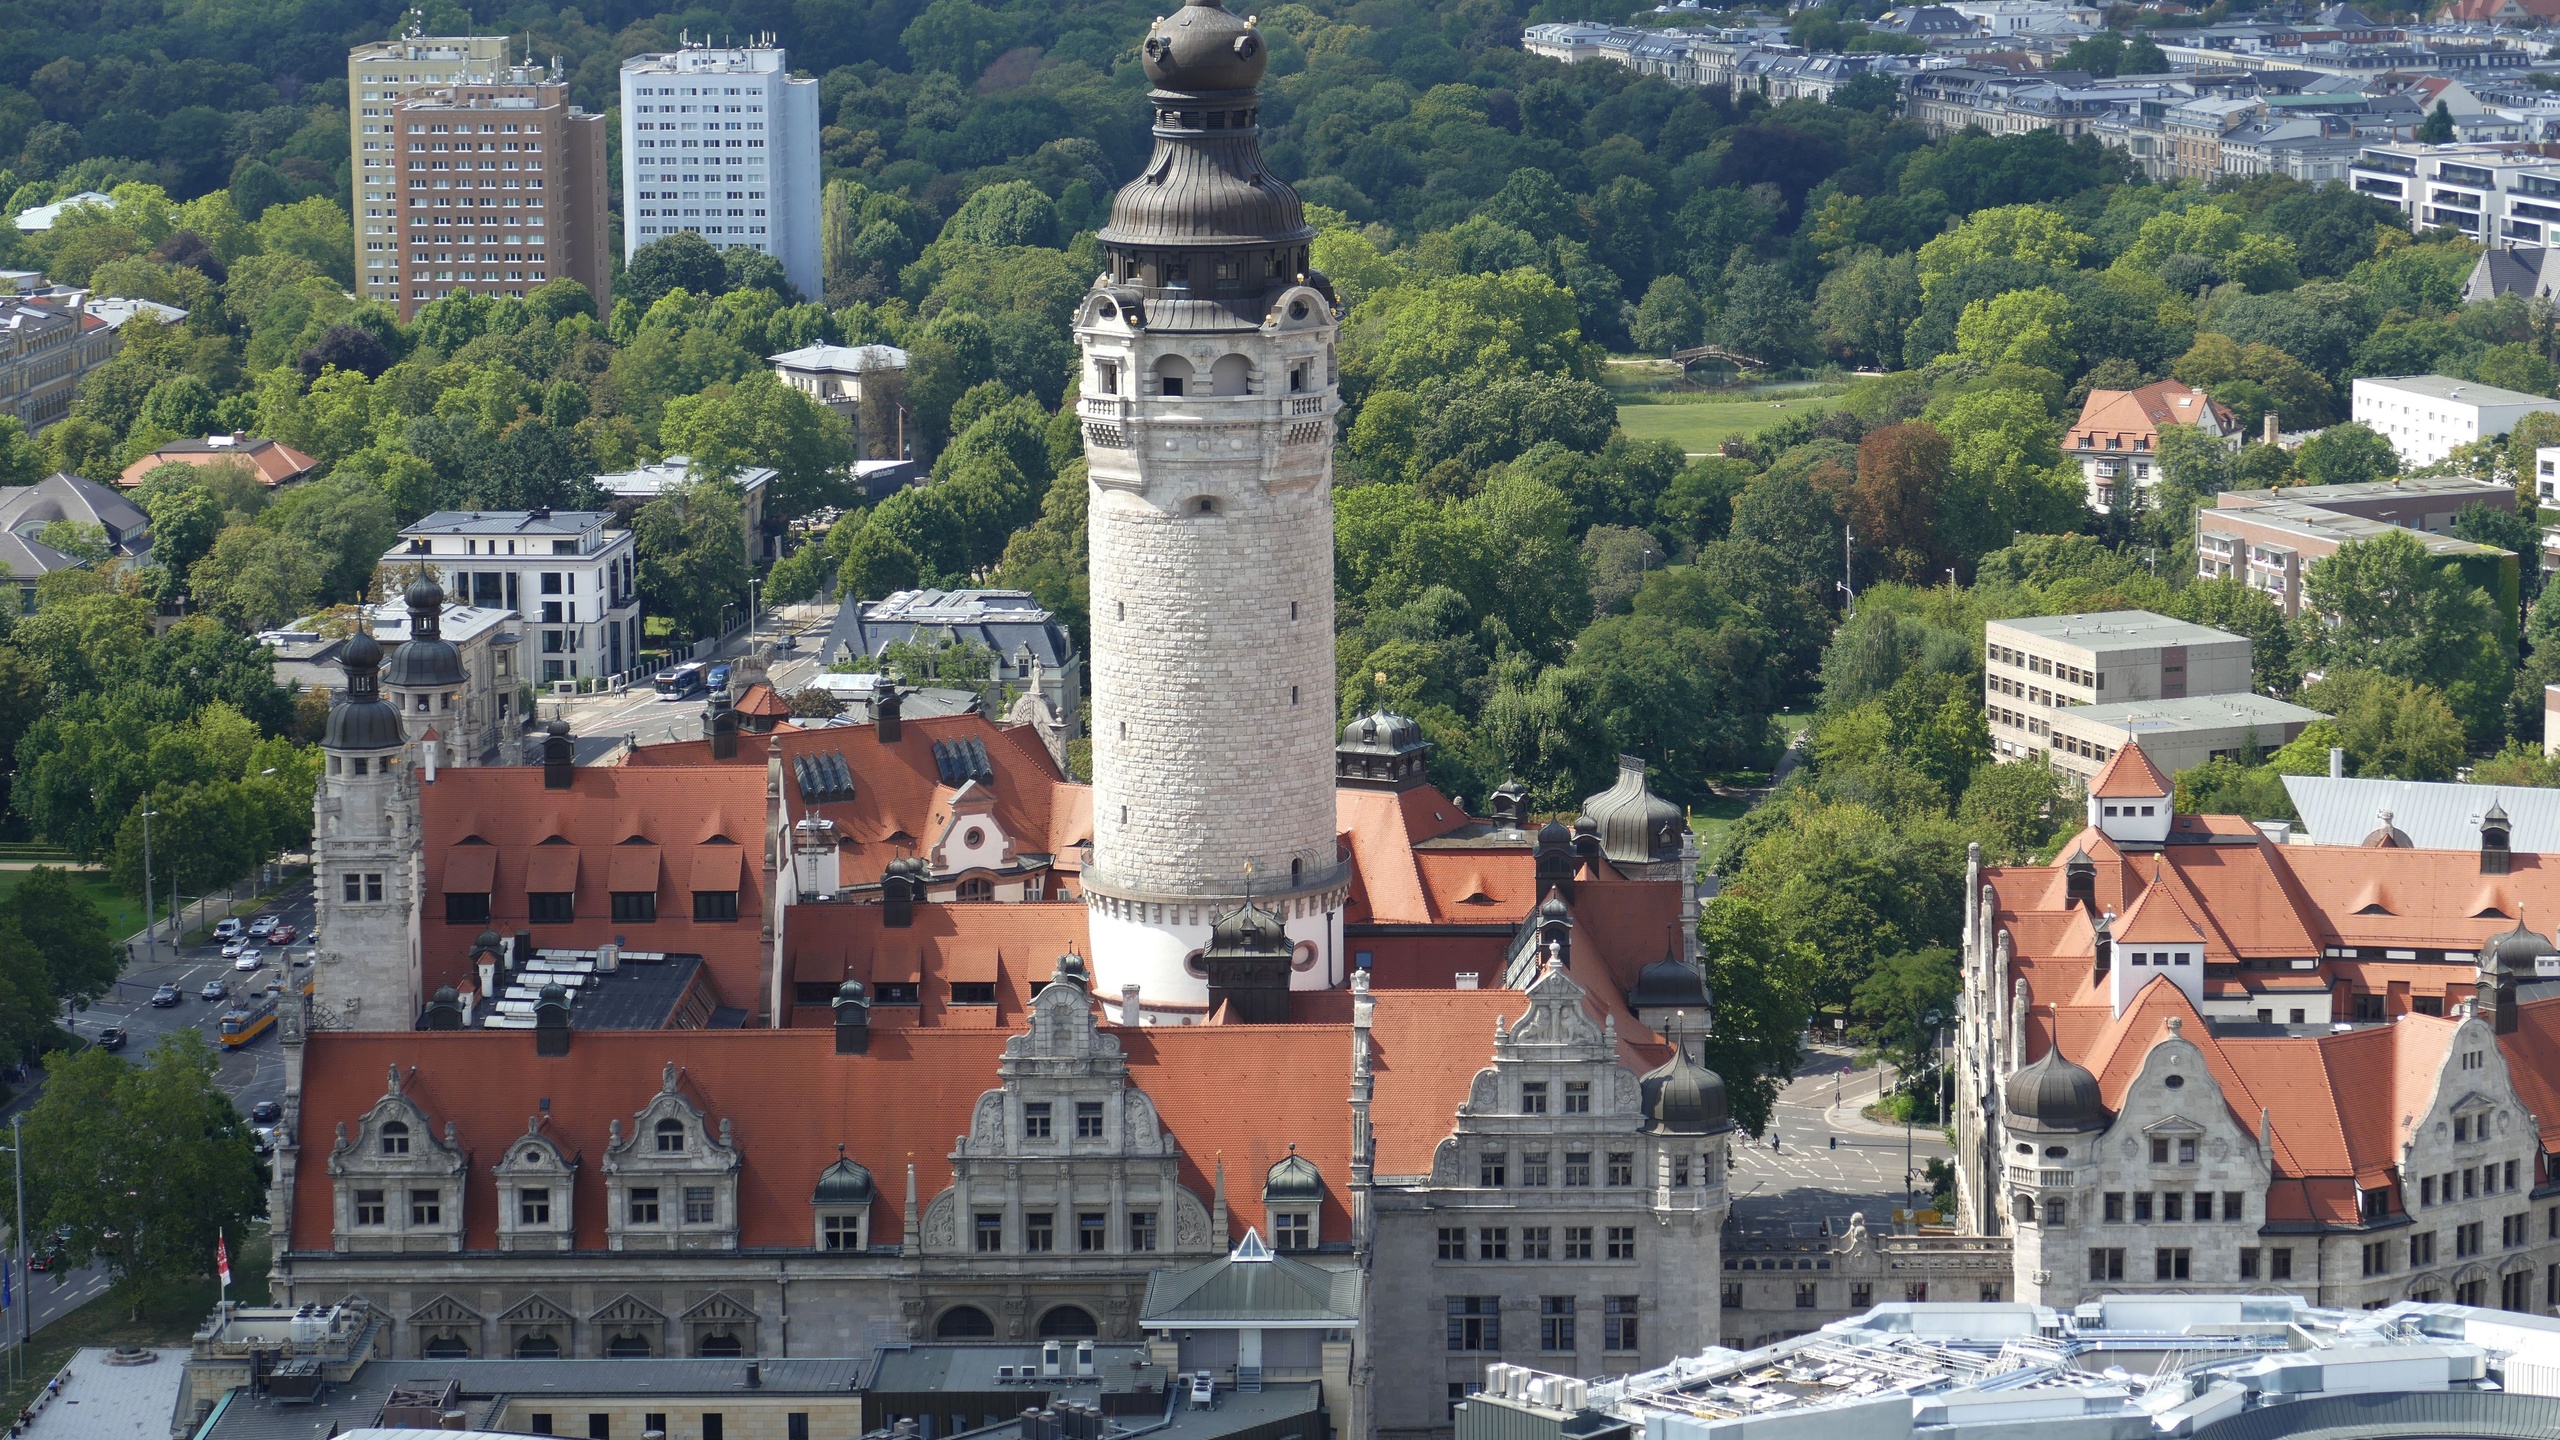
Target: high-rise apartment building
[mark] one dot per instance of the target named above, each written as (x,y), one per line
(502,189)
(379,77)
(723,142)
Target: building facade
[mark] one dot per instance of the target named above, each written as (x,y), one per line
(379,77)
(2117,437)
(2272,539)
(2177,734)
(833,375)
(47,343)
(571,575)
(364,858)
(2035,668)
(2426,417)
(645,483)
(486,713)
(760,190)
(533,200)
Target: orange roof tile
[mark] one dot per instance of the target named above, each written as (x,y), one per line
(2131,774)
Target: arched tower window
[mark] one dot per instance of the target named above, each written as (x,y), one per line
(1232,375)
(1174,375)
(670,1136)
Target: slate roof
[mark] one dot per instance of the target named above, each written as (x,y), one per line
(1253,1286)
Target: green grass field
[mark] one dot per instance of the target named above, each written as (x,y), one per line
(123,912)
(1699,426)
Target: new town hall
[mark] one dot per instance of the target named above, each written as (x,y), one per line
(797,1041)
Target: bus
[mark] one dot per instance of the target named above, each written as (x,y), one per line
(247,1023)
(681,682)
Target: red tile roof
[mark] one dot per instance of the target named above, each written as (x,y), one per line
(2130,773)
(2132,418)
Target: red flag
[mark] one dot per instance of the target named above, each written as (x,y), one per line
(222,1257)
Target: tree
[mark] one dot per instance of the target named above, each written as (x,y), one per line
(2346,455)
(682,261)
(1763,317)
(876,565)
(254,579)
(2015,809)
(68,930)
(1467,328)
(2517,534)
(2391,728)
(1893,1006)
(1758,979)
(692,552)
(1010,214)
(2022,327)
(347,347)
(2386,605)
(763,421)
(1669,318)
(141,1165)
(2437,128)
(1902,478)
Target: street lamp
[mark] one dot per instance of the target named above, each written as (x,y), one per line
(752,615)
(150,923)
(1932,1021)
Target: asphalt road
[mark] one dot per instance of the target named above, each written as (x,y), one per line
(248,1075)
(598,720)
(1805,1179)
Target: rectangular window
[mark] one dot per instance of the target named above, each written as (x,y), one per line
(1805,1295)
(1577,1242)
(2280,1264)
(1039,1232)
(1035,1120)
(1453,1242)
(637,906)
(711,906)
(1733,1295)
(2172,1206)
(1618,1323)
(599,1427)
(1459,1390)
(1555,1323)
(2142,1205)
(1493,1242)
(1862,1295)
(711,1426)
(2106,1263)
(1489,1170)
(2427,1190)
(990,1232)
(699,1208)
(426,1207)
(2233,1207)
(842,1232)
(2114,1203)
(643,1207)
(1533,1169)
(533,1207)
(973,992)
(1533,1098)
(1475,1322)
(1622,1242)
(1577,1097)
(796,1425)
(1088,1119)
(2159,1150)
(1537,1242)
(2466,1240)
(2204,1205)
(551,907)
(1293,1230)
(2169,1264)
(369,1207)
(1622,1168)
(1142,1231)
(1577,1168)
(1093,1232)
(466,908)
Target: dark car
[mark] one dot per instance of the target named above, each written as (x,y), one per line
(215,989)
(111,1038)
(45,1261)
(265,1112)
(165,996)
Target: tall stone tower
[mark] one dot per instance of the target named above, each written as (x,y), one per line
(424,678)
(364,858)
(1208,405)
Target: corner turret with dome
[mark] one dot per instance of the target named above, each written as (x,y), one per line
(364,855)
(424,677)
(2055,1096)
(1207,400)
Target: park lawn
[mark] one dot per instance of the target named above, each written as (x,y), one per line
(123,912)
(1711,817)
(170,1319)
(1699,426)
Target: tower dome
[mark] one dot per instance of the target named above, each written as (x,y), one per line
(1683,1097)
(426,660)
(2513,952)
(361,719)
(1203,46)
(1636,826)
(2055,1095)
(1670,983)
(846,1182)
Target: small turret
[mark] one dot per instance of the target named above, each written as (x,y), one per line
(853,1019)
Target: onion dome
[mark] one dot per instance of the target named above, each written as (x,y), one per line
(1381,733)
(490,942)
(1670,983)
(1683,1097)
(1636,826)
(1203,46)
(426,660)
(1072,970)
(2053,1095)
(845,1182)
(1295,1178)
(2514,951)
(361,719)
(1554,912)
(1553,836)
(851,992)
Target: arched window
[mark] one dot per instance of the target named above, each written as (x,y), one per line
(1232,375)
(537,1346)
(628,1345)
(1067,1322)
(395,1138)
(445,1345)
(670,1137)
(977,888)
(719,1345)
(1173,375)
(964,1322)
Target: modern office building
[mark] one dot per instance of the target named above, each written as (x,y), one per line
(2273,539)
(2425,417)
(723,142)
(502,190)
(2034,668)
(571,574)
(2177,734)
(379,77)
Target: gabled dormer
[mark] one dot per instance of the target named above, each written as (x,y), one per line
(397,1187)
(967,836)
(672,1183)
(537,1186)
(2129,801)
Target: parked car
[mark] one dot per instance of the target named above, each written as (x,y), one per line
(44,1262)
(111,1038)
(266,1112)
(264,926)
(164,997)
(227,928)
(215,989)
(718,677)
(231,948)
(283,936)
(262,1139)
(249,960)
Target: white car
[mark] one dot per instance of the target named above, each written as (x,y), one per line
(233,949)
(249,960)
(228,928)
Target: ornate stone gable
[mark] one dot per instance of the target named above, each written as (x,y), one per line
(537,1189)
(397,1187)
(672,1183)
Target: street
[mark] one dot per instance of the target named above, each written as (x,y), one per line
(600,720)
(1805,1180)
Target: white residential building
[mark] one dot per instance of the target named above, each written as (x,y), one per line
(571,574)
(2426,416)
(2498,194)
(833,374)
(760,190)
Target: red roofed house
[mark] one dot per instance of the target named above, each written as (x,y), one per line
(2198,1060)
(2117,437)
(270,462)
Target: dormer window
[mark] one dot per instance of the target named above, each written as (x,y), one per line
(670,1137)
(395,1138)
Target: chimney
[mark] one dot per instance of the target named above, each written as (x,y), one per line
(427,746)
(884,711)
(2337,762)
(444,1012)
(900,888)
(755,1375)
(1130,1013)
(551,1022)
(2102,942)
(720,722)
(2271,431)
(559,757)
(853,1019)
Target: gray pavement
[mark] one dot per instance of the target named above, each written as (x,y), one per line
(1805,1179)
(639,713)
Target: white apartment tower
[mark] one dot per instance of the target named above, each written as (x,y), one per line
(723,142)
(1208,404)
(364,857)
